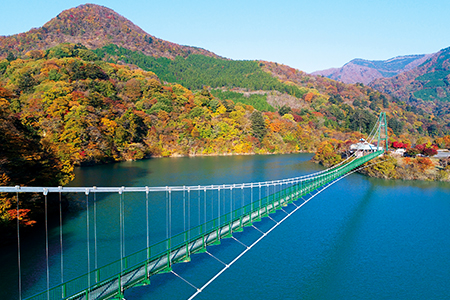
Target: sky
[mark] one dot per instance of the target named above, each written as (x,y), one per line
(307,35)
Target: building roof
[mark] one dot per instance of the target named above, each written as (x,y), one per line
(364,146)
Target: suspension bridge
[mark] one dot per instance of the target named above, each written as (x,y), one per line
(220,211)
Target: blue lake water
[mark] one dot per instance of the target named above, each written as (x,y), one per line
(362,238)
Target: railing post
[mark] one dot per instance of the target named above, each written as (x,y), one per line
(187,243)
(169,263)
(251,202)
(120,286)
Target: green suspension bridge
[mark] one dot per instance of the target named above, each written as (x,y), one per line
(231,208)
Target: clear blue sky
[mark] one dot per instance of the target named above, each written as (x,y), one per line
(307,35)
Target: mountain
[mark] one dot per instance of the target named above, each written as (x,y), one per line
(428,82)
(365,71)
(93,26)
(266,86)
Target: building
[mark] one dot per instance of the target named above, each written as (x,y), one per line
(364,147)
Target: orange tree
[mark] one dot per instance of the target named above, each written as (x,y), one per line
(327,153)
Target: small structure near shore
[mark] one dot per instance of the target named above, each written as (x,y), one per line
(442,153)
(399,152)
(364,147)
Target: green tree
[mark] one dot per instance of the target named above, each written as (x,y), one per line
(25,82)
(284,110)
(10,57)
(395,125)
(258,125)
(362,121)
(385,101)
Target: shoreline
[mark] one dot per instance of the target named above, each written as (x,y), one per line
(392,167)
(90,164)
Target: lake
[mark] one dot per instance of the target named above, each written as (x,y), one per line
(362,238)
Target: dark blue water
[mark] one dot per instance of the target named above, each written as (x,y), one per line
(362,238)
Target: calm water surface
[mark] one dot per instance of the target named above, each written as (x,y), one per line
(362,238)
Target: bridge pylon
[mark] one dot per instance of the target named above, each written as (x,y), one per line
(382,129)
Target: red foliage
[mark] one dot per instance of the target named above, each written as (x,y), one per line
(398,145)
(428,150)
(271,115)
(317,114)
(424,163)
(420,147)
(168,88)
(297,118)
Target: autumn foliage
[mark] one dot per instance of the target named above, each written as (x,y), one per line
(328,153)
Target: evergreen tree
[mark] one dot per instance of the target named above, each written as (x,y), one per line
(258,125)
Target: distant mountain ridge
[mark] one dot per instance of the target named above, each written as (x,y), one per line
(366,71)
(94,26)
(430,81)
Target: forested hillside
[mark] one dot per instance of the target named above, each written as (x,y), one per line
(306,91)
(196,71)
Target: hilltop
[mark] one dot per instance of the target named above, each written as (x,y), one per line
(366,71)
(94,26)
